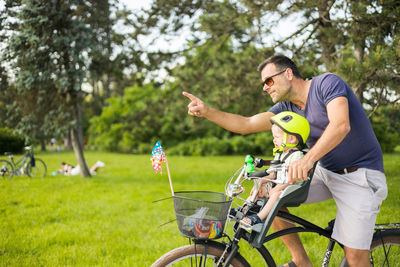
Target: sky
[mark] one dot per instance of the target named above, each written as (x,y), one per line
(280,32)
(136,4)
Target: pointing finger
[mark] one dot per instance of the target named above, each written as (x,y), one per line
(190,96)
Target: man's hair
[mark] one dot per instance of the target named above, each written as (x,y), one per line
(281,63)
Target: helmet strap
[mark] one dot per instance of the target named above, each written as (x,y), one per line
(283,145)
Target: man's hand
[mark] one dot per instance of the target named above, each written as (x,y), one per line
(298,170)
(196,107)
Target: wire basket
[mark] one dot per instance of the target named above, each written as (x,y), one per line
(201,214)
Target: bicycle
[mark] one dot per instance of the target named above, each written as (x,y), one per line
(384,251)
(28,164)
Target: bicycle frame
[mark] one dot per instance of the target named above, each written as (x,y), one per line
(257,238)
(305,226)
(385,245)
(22,161)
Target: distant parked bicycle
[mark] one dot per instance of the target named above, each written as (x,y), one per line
(26,165)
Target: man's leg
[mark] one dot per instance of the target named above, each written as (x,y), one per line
(357,257)
(358,196)
(318,192)
(292,242)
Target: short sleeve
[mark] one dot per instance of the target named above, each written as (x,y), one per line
(279,107)
(332,87)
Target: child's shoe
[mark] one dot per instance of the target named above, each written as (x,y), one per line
(249,221)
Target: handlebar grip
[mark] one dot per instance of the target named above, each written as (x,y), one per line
(258,163)
(259,174)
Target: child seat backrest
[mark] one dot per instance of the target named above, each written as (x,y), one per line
(292,196)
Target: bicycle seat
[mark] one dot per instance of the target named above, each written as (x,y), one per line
(292,196)
(7,153)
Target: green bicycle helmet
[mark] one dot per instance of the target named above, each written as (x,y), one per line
(294,124)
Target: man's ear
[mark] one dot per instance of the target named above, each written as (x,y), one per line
(289,73)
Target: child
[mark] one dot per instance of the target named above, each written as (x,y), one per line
(69,170)
(290,132)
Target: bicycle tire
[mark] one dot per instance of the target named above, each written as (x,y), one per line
(39,170)
(385,249)
(192,255)
(6,169)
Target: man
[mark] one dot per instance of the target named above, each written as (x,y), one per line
(350,168)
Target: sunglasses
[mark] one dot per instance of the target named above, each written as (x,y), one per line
(269,81)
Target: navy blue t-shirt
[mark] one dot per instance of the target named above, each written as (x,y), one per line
(360,148)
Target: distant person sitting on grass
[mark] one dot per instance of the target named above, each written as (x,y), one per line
(290,132)
(69,170)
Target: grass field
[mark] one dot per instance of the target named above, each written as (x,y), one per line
(110,220)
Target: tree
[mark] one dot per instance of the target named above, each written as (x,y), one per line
(48,52)
(357,39)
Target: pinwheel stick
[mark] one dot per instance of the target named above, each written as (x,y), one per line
(169,177)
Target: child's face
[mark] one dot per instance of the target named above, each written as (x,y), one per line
(277,133)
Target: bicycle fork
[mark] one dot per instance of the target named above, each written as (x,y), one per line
(328,253)
(233,246)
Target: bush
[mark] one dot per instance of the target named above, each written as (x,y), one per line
(10,142)
(387,139)
(386,125)
(255,144)
(210,146)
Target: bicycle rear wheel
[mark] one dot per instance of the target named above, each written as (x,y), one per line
(39,170)
(193,255)
(6,169)
(385,249)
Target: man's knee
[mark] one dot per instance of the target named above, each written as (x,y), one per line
(357,257)
(280,224)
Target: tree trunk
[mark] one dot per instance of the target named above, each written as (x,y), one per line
(359,55)
(78,149)
(68,141)
(326,30)
(42,144)
(77,143)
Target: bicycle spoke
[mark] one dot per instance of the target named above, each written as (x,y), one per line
(6,169)
(385,255)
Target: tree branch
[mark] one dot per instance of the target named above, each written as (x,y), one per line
(296,32)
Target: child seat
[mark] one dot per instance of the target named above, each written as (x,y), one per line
(291,196)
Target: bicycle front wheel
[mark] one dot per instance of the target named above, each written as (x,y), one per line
(198,255)
(6,169)
(39,170)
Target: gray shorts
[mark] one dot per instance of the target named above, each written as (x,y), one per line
(358,196)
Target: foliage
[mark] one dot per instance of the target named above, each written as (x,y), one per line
(52,47)
(256,144)
(230,38)
(146,113)
(46,47)
(135,118)
(386,124)
(10,142)
(49,47)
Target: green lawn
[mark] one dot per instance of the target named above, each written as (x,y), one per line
(110,220)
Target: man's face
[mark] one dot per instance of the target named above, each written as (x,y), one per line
(280,88)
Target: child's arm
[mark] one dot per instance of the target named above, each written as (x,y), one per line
(267,178)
